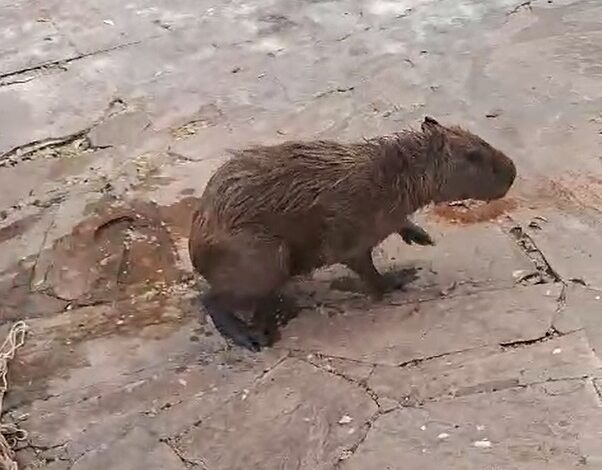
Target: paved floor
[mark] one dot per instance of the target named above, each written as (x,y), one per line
(115,113)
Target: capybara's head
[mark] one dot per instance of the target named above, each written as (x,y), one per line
(469,168)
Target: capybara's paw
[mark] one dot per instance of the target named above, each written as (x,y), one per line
(242,335)
(416,234)
(237,331)
(387,282)
(252,340)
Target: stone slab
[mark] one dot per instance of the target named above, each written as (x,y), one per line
(391,334)
(487,370)
(551,426)
(292,419)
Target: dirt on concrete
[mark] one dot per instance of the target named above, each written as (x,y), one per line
(471,212)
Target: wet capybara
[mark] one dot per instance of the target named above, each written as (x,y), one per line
(272,212)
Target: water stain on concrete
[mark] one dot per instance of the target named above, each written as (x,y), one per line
(120,253)
(116,274)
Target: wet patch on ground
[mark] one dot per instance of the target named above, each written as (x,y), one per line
(121,252)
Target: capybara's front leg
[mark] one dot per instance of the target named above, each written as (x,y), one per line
(232,327)
(377,283)
(412,233)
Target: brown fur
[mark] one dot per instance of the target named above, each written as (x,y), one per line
(274,212)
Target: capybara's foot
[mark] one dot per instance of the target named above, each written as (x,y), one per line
(233,328)
(412,233)
(386,283)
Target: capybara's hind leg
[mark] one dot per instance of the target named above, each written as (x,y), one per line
(365,269)
(230,326)
(252,268)
(264,318)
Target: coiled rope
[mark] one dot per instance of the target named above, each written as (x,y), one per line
(10,434)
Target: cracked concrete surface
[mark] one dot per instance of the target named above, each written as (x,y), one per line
(115,115)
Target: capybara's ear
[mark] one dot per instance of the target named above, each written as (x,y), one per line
(429,123)
(435,134)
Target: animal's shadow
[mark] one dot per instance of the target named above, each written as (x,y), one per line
(354,284)
(288,304)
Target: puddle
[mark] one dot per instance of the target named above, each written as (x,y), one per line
(472,212)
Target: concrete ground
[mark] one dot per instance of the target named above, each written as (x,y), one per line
(113,116)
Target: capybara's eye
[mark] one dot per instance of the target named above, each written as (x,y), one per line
(474,156)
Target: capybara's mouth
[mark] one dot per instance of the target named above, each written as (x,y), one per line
(500,195)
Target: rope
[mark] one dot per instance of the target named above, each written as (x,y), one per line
(10,434)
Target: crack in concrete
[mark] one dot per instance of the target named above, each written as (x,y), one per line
(18,81)
(418,361)
(62,63)
(545,273)
(41,459)
(50,147)
(338,89)
(179,157)
(56,197)
(363,385)
(520,6)
(367,427)
(271,368)
(235,394)
(347,453)
(582,380)
(69,145)
(343,37)
(101,446)
(22,152)
(486,388)
(511,385)
(552,333)
(597,389)
(188,463)
(31,445)
(39,253)
(301,353)
(171,441)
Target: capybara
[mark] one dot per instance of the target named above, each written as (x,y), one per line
(273,212)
